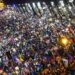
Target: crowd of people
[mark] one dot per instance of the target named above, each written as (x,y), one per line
(30,45)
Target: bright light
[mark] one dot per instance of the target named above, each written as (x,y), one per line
(50,19)
(59,7)
(70,7)
(17,68)
(2,6)
(35,63)
(62,3)
(52,3)
(67,29)
(34,5)
(14,5)
(24,7)
(71,1)
(64,41)
(16,72)
(14,50)
(29,6)
(39,5)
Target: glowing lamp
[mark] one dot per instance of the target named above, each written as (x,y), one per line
(16,72)
(2,6)
(17,68)
(36,63)
(64,41)
(50,19)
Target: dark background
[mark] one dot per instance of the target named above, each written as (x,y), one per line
(29,1)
